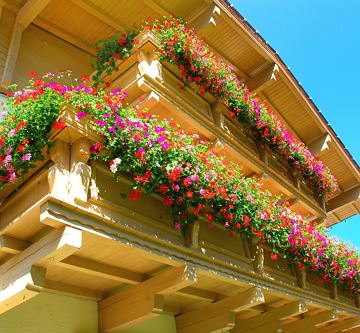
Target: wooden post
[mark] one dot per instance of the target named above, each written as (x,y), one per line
(80,172)
(58,174)
(154,69)
(300,277)
(257,256)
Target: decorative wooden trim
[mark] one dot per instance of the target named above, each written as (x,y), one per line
(80,171)
(218,315)
(144,300)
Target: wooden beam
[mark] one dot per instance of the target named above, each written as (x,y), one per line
(263,78)
(200,294)
(270,327)
(21,275)
(340,326)
(283,312)
(218,315)
(157,8)
(65,35)
(49,250)
(29,11)
(24,17)
(12,55)
(57,287)
(205,19)
(98,14)
(98,269)
(308,324)
(144,300)
(12,245)
(319,145)
(344,198)
(22,288)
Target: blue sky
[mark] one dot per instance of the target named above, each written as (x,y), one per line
(319,40)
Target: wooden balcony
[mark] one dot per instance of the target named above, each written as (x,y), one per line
(67,230)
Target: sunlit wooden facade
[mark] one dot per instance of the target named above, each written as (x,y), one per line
(77,258)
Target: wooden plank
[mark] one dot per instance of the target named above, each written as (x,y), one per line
(85,5)
(199,320)
(340,326)
(12,245)
(29,11)
(157,8)
(285,311)
(65,35)
(309,323)
(102,270)
(20,290)
(21,276)
(50,249)
(271,327)
(144,300)
(74,291)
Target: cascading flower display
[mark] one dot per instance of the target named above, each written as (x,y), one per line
(162,159)
(198,64)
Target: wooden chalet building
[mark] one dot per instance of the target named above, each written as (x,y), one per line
(77,259)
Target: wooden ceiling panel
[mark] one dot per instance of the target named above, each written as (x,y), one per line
(68,276)
(68,16)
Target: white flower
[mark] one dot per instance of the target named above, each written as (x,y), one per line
(117,161)
(113,168)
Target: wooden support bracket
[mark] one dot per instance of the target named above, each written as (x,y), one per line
(268,317)
(28,267)
(144,300)
(218,315)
